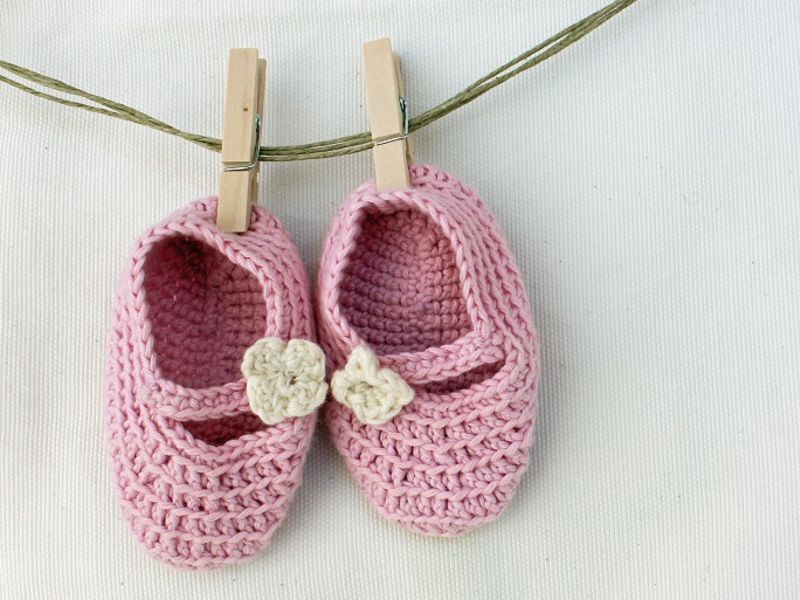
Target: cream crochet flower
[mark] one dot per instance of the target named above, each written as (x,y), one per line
(373,393)
(284,380)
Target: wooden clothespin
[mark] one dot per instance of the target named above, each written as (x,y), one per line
(388,116)
(244,107)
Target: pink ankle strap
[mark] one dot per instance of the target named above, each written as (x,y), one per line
(174,401)
(443,362)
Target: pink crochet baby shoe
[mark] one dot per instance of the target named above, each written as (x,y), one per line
(212,385)
(427,326)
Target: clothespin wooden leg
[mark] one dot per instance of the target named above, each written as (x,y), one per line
(244,107)
(401,88)
(388,120)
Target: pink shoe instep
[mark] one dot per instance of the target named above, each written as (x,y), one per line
(427,326)
(212,385)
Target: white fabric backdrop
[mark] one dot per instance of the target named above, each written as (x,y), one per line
(648,181)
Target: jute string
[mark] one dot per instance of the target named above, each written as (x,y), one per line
(349,144)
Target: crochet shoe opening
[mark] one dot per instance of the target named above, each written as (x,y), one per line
(205,312)
(464,380)
(215,432)
(401,289)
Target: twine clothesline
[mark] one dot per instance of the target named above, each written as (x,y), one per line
(349,144)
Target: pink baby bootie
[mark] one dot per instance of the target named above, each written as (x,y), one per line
(428,332)
(212,384)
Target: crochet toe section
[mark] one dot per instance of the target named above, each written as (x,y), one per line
(284,379)
(437,480)
(199,515)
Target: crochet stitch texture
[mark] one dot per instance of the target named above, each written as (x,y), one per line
(424,278)
(202,480)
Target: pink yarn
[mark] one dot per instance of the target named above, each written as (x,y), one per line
(202,480)
(425,279)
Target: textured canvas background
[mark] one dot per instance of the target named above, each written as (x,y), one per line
(648,180)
